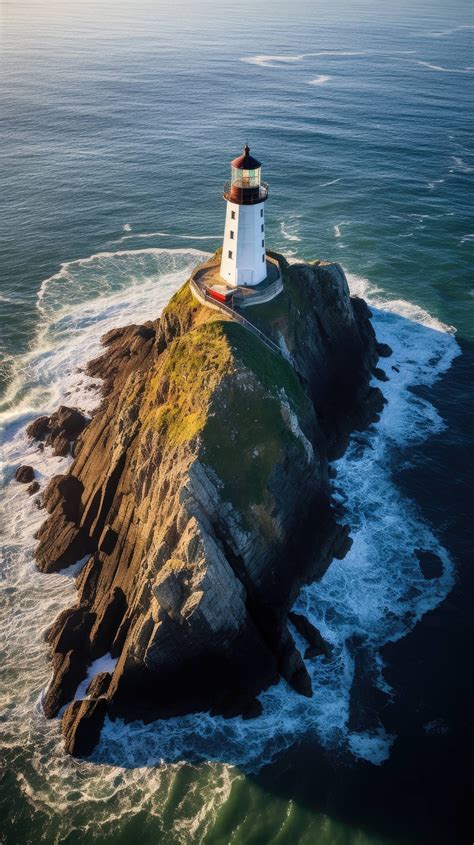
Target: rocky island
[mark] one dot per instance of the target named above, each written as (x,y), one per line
(199,500)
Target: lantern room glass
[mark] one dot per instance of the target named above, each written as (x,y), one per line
(245,178)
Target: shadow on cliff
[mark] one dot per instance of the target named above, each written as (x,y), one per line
(424,792)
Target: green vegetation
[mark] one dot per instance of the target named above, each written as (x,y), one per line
(220,383)
(246,436)
(184,382)
(243,440)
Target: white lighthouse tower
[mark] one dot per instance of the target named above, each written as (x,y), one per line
(243,253)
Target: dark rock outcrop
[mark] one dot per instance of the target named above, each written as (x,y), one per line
(59,430)
(82,723)
(200,492)
(316,643)
(24,474)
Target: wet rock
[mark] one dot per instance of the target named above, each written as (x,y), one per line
(252,710)
(317,644)
(99,684)
(68,671)
(59,430)
(24,474)
(380,374)
(33,488)
(292,668)
(384,350)
(38,429)
(81,725)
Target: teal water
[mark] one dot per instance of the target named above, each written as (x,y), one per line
(118,124)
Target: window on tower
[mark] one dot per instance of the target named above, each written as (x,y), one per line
(261,212)
(263,243)
(262,228)
(229,254)
(231,235)
(263,257)
(232,215)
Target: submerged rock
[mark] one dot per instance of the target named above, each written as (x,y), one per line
(200,492)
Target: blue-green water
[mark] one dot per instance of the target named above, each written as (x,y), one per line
(118,123)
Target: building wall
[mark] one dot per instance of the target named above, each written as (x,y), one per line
(245,265)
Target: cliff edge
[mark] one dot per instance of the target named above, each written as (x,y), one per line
(199,498)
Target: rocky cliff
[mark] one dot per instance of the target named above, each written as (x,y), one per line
(199,497)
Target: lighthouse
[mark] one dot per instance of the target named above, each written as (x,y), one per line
(243,260)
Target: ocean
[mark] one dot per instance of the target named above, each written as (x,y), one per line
(118,124)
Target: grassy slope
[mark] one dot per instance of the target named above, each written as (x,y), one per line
(218,384)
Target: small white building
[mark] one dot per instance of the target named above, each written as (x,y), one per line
(243,253)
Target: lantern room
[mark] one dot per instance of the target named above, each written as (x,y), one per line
(245,186)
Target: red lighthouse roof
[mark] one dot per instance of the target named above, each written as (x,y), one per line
(246,161)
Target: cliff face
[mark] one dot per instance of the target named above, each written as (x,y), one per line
(199,495)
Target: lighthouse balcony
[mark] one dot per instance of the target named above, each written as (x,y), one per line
(208,286)
(245,195)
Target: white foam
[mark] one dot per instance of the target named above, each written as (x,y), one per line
(126,227)
(321,79)
(147,235)
(461,166)
(332,182)
(271,61)
(107,663)
(289,229)
(337,227)
(442,69)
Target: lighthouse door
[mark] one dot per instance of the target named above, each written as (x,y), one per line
(246,277)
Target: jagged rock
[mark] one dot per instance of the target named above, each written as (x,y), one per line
(81,725)
(61,543)
(33,488)
(38,429)
(317,644)
(58,430)
(99,684)
(24,474)
(63,492)
(68,671)
(200,492)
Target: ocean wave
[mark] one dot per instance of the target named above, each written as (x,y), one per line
(377,592)
(271,61)
(134,235)
(332,182)
(337,227)
(434,182)
(460,165)
(288,229)
(442,69)
(78,304)
(445,33)
(265,60)
(319,80)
